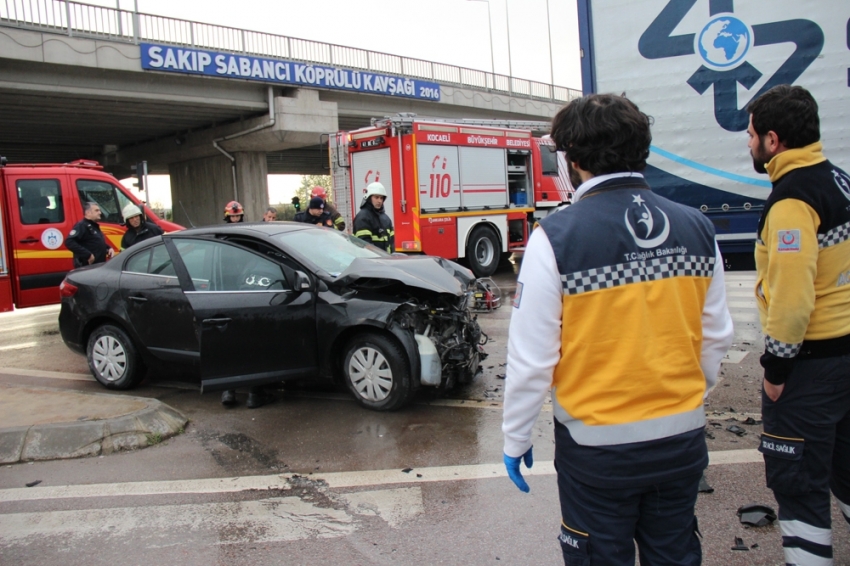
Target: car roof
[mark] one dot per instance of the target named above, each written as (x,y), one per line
(265,228)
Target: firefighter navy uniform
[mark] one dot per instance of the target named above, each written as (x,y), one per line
(627,331)
(803,293)
(324,219)
(336,217)
(145,231)
(86,240)
(374,226)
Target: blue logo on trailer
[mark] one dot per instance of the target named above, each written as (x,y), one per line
(723,45)
(280,71)
(724,42)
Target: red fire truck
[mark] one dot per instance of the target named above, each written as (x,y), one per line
(463,189)
(39,204)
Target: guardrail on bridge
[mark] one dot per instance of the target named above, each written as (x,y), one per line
(76,19)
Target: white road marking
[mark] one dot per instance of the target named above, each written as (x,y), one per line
(746,305)
(48,374)
(23,346)
(267,520)
(395,506)
(331,480)
(27,326)
(734,357)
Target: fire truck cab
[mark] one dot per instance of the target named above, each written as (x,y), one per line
(39,203)
(466,189)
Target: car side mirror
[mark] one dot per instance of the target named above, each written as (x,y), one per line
(302,281)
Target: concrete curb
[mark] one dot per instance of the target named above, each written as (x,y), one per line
(156,422)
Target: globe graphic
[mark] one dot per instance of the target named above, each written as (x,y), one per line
(724,42)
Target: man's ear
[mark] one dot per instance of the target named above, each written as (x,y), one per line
(772,143)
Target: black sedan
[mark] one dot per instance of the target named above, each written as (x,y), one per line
(252,304)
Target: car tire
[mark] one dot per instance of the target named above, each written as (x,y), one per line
(483,251)
(377,372)
(113,359)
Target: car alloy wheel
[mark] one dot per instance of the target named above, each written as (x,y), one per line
(109,358)
(377,372)
(113,359)
(370,374)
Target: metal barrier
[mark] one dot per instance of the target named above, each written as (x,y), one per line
(76,19)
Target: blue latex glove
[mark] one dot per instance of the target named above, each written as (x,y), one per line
(512,464)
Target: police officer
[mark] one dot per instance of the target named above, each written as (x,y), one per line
(372,223)
(315,214)
(270,214)
(803,292)
(627,397)
(138,229)
(338,220)
(86,240)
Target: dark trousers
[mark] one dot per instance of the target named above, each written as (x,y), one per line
(806,448)
(600,525)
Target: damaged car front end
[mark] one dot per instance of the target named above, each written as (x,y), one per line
(425,304)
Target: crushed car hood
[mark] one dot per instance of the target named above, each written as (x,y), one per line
(431,273)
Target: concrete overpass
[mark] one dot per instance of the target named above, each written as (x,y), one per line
(80,81)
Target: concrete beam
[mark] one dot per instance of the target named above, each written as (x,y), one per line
(299,121)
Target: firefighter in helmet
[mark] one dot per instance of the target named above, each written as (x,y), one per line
(233,213)
(138,229)
(338,220)
(372,222)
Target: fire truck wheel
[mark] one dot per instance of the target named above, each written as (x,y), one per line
(113,359)
(377,372)
(483,251)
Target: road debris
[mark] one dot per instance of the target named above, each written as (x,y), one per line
(756,515)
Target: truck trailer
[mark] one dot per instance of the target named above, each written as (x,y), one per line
(694,65)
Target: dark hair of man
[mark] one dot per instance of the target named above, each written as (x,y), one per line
(271,209)
(790,111)
(87,206)
(603,133)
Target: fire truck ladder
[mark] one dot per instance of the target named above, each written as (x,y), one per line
(405,121)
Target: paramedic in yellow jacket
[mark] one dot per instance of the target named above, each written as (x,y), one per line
(620,311)
(803,292)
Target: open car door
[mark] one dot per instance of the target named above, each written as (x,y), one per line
(254,326)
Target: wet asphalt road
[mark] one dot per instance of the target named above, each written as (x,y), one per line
(453,505)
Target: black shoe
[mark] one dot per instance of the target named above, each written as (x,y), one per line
(228,398)
(258,399)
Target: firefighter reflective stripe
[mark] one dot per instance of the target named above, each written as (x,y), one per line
(805,544)
(639,431)
(364,234)
(799,557)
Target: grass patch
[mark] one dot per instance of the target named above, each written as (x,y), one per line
(154,438)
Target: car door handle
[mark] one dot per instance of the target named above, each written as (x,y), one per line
(138,299)
(29,240)
(216,321)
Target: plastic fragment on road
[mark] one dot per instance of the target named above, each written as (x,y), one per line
(735,429)
(739,544)
(756,515)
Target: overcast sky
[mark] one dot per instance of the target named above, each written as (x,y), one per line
(445,31)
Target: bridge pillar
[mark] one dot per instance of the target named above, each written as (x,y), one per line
(201,187)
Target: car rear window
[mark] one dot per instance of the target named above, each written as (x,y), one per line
(153,261)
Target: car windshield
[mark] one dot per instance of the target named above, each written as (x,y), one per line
(331,250)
